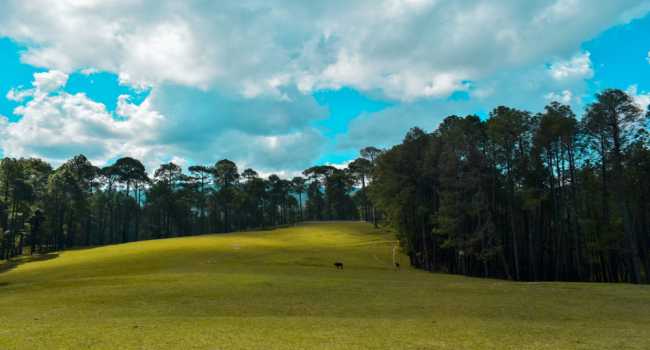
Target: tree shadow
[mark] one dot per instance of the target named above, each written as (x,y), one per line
(17,261)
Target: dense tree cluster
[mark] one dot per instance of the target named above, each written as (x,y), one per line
(518,195)
(79,204)
(523,196)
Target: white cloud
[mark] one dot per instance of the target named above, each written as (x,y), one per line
(564,96)
(47,82)
(341,165)
(18,94)
(648,57)
(233,79)
(43,84)
(641,98)
(578,67)
(280,151)
(407,49)
(528,89)
(56,125)
(89,71)
(4,121)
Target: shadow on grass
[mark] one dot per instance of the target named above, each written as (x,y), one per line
(17,261)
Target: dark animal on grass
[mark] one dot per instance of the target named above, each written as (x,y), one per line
(339,265)
(397,266)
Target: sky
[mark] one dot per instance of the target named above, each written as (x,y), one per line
(280,86)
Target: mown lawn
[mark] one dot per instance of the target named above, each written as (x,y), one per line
(279,290)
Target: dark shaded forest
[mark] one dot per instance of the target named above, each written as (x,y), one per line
(525,196)
(79,204)
(522,196)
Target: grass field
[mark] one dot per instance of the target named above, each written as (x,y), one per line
(279,290)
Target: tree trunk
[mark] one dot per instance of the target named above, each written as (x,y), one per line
(624,207)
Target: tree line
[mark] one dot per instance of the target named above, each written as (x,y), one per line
(525,196)
(79,204)
(516,195)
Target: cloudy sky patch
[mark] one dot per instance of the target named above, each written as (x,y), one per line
(279,86)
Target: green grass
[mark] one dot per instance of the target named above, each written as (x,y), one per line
(279,290)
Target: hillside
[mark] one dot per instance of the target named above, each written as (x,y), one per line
(279,290)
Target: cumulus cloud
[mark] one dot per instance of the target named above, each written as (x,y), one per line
(56,125)
(388,127)
(406,49)
(233,79)
(578,67)
(529,89)
(43,84)
(18,94)
(223,125)
(47,82)
(564,96)
(641,98)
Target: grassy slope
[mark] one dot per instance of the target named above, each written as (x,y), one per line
(279,290)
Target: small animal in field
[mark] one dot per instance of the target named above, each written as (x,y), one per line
(339,265)
(397,266)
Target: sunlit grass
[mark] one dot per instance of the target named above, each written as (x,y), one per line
(279,290)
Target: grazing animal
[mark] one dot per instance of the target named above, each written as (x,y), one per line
(339,265)
(397,266)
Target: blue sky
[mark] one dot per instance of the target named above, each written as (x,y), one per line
(102,87)
(620,56)
(282,87)
(14,74)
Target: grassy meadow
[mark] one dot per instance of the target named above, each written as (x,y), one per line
(279,290)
